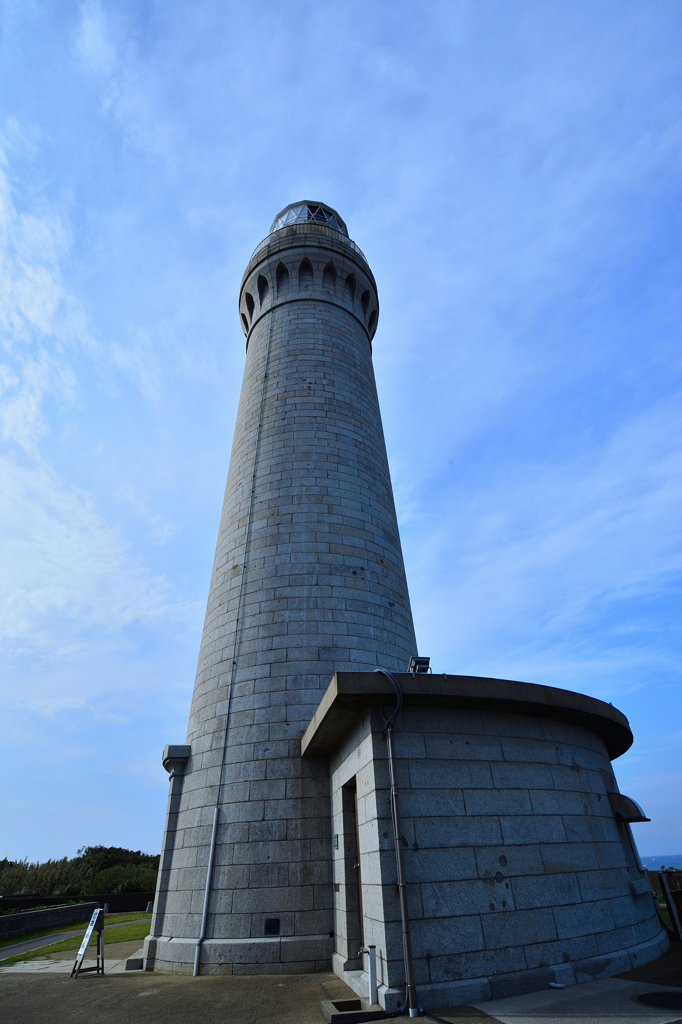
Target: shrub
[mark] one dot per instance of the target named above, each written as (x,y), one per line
(96,869)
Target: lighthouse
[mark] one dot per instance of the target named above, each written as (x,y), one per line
(308,580)
(432,838)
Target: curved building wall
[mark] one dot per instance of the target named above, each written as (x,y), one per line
(518,872)
(308,579)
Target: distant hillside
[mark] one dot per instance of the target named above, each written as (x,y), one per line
(96,869)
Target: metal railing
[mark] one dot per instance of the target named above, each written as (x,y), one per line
(348,241)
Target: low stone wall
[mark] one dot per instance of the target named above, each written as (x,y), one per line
(33,920)
(119,902)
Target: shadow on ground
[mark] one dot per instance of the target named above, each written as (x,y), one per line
(145,998)
(667,970)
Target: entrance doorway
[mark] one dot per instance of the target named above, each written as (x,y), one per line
(352,870)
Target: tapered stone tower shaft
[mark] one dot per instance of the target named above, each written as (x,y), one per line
(308,580)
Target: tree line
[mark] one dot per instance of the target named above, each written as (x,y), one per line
(94,870)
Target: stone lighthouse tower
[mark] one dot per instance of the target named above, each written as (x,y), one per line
(308,580)
(468,831)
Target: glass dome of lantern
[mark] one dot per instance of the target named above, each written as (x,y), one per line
(305,212)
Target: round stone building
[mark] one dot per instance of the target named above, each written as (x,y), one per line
(279,852)
(519,861)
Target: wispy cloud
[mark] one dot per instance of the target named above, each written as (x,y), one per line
(160,529)
(532,557)
(38,319)
(65,571)
(93,44)
(128,87)
(70,584)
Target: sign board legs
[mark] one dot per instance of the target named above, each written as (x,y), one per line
(96,924)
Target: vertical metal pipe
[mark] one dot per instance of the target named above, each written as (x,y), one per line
(412,1001)
(372,954)
(207,893)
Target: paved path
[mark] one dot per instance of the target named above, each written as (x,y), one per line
(47,940)
(42,990)
(61,961)
(607,1001)
(142,997)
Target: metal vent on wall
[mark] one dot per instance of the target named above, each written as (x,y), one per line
(626,809)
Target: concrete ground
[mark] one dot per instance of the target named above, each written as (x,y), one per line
(48,994)
(607,1001)
(138,997)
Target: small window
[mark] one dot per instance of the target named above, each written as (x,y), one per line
(349,288)
(372,322)
(329,277)
(263,289)
(271,926)
(249,304)
(365,302)
(282,278)
(246,323)
(305,274)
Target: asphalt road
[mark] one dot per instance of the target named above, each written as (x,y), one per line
(47,940)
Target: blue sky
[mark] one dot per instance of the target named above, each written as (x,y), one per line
(512,172)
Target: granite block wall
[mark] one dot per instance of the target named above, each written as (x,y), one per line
(518,873)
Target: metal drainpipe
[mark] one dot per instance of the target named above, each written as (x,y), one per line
(412,1000)
(207,893)
(371,952)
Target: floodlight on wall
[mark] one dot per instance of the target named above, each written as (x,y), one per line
(418,666)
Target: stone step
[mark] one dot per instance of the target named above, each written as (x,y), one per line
(136,961)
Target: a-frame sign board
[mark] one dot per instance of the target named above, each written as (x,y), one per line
(96,924)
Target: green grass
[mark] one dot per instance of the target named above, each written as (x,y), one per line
(126,933)
(139,915)
(72,926)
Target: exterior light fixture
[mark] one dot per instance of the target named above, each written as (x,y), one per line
(418,666)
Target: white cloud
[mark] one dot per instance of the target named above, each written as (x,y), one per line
(38,319)
(30,287)
(64,569)
(128,89)
(21,419)
(161,530)
(70,586)
(523,563)
(93,44)
(138,360)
